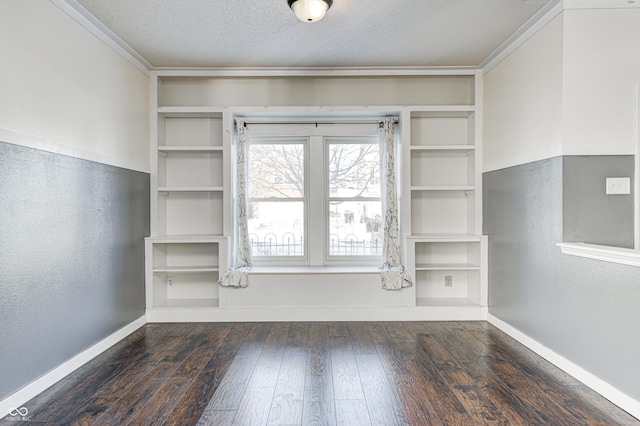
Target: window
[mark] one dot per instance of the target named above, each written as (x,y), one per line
(314,199)
(355,213)
(276,201)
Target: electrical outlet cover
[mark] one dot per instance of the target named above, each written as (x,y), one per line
(448,281)
(618,186)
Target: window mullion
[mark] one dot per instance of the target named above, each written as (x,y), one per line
(315,196)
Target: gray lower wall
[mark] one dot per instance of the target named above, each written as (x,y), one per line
(585,310)
(589,214)
(71,258)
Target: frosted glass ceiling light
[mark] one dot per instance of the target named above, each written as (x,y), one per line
(310,10)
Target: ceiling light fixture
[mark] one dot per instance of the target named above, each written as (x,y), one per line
(310,10)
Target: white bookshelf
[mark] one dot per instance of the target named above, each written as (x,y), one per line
(444,250)
(448,270)
(183,271)
(190,159)
(192,188)
(188,247)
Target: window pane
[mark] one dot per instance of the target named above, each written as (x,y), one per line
(276,171)
(276,228)
(354,170)
(355,228)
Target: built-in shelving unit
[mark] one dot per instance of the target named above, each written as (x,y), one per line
(188,247)
(192,189)
(444,250)
(441,172)
(449,270)
(183,271)
(190,163)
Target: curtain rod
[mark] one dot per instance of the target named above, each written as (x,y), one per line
(316,123)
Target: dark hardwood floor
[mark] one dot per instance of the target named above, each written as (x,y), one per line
(355,373)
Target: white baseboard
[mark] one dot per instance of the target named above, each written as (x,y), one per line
(432,313)
(614,395)
(41,384)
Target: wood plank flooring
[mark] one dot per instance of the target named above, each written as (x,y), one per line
(334,373)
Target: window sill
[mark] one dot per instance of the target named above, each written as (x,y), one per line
(312,270)
(619,255)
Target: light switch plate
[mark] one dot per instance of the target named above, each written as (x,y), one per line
(618,186)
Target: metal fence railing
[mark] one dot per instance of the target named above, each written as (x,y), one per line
(352,245)
(290,245)
(271,245)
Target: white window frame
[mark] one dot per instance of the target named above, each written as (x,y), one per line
(270,140)
(336,259)
(316,238)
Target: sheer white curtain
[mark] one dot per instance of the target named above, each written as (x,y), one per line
(237,275)
(394,276)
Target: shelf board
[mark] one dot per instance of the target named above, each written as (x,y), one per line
(190,111)
(442,111)
(443,148)
(190,189)
(187,238)
(446,302)
(179,269)
(190,148)
(187,303)
(445,238)
(444,188)
(448,267)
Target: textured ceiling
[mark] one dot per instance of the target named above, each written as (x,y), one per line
(355,33)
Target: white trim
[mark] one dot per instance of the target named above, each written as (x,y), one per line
(517,39)
(268,113)
(178,239)
(446,238)
(104,34)
(314,71)
(29,141)
(41,384)
(542,18)
(619,255)
(430,313)
(614,395)
(478,122)
(636,192)
(313,270)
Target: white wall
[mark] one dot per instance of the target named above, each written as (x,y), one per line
(523,102)
(65,88)
(601,70)
(316,91)
(571,89)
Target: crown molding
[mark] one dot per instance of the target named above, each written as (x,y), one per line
(314,71)
(542,18)
(98,29)
(533,25)
(524,33)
